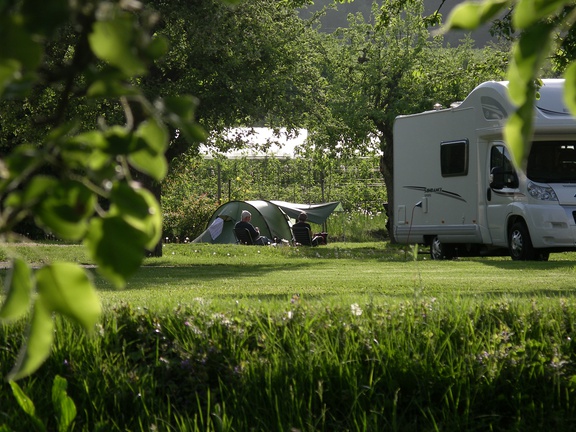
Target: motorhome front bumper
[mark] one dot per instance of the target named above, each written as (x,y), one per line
(552,226)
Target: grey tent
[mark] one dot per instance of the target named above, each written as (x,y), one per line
(268,217)
(317,213)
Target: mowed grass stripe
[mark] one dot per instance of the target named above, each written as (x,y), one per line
(243,274)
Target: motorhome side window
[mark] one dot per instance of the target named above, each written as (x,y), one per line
(501,168)
(454,158)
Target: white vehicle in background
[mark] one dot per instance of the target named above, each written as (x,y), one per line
(456,190)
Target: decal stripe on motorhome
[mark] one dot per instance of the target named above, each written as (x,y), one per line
(438,191)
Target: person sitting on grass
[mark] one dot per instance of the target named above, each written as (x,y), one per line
(258,239)
(317,239)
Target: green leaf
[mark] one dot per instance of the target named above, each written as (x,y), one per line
(157,47)
(120,141)
(8,70)
(66,289)
(13,201)
(19,291)
(109,82)
(63,404)
(154,135)
(529,12)
(20,162)
(150,163)
(60,134)
(24,401)
(527,56)
(87,150)
(193,132)
(570,88)
(140,209)
(112,41)
(116,246)
(65,211)
(129,202)
(180,108)
(111,88)
(150,160)
(518,134)
(37,188)
(38,342)
(26,404)
(471,15)
(180,113)
(89,141)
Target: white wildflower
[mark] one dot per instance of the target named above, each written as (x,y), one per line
(355,309)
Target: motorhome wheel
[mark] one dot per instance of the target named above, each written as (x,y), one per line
(440,251)
(519,243)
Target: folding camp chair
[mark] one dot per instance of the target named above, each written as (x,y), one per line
(302,235)
(243,236)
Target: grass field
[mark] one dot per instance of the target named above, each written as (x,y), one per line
(352,336)
(334,275)
(337,273)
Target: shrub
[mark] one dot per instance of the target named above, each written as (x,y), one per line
(188,220)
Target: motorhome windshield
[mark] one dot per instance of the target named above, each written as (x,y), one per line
(552,162)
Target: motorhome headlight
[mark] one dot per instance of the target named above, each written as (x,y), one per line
(541,192)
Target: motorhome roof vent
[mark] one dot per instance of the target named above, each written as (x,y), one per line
(437,106)
(455,104)
(492,109)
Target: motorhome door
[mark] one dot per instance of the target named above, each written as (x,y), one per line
(501,188)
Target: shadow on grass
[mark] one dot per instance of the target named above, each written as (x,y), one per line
(528,265)
(386,253)
(146,277)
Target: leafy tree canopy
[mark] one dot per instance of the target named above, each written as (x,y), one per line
(388,65)
(75,174)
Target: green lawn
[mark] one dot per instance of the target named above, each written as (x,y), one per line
(336,274)
(339,273)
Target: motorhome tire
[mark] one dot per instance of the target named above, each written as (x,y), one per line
(520,244)
(439,250)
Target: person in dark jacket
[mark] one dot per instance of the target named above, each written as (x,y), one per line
(258,239)
(317,239)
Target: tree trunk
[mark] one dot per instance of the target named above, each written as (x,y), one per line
(387,170)
(156,189)
(147,182)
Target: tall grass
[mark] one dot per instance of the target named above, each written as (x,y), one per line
(413,365)
(215,338)
(357,226)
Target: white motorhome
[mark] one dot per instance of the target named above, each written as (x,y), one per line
(456,190)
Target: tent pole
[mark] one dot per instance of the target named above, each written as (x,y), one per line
(219,196)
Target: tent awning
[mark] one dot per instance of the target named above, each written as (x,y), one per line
(317,213)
